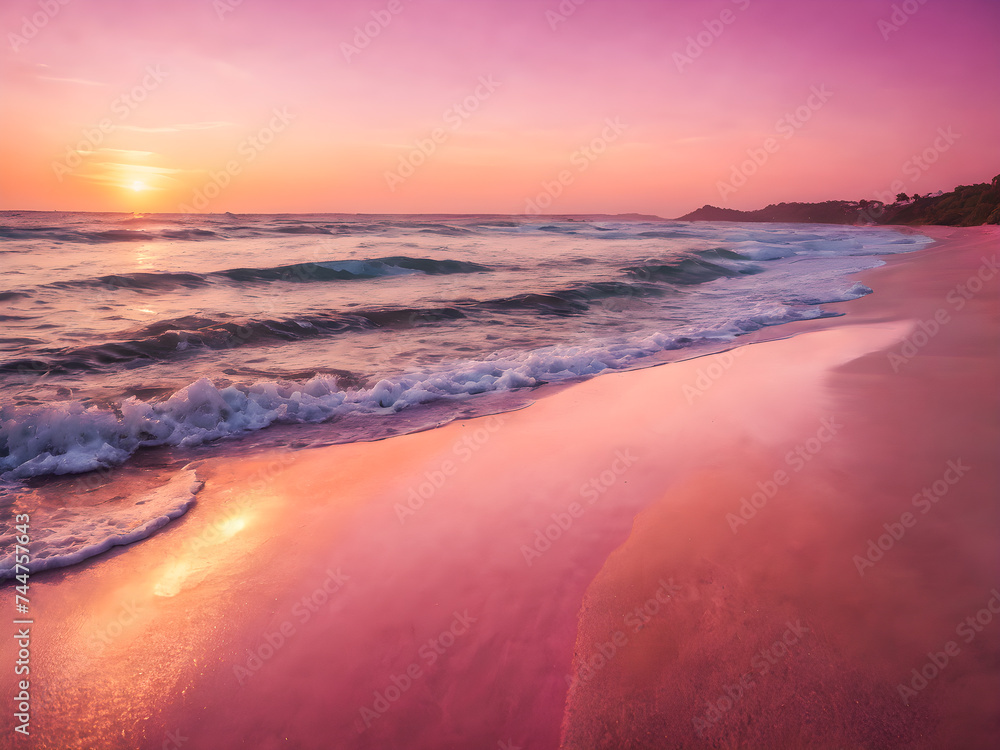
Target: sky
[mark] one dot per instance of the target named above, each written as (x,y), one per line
(491,106)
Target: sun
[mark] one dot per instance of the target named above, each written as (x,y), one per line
(137,186)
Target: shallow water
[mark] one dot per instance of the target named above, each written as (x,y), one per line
(123,331)
(123,334)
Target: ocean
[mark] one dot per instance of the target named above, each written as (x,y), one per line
(123,333)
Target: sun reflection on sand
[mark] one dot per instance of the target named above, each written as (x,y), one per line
(194,566)
(232,526)
(172,581)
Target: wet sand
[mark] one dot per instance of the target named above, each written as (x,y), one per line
(584,572)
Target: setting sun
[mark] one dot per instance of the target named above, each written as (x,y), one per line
(138,186)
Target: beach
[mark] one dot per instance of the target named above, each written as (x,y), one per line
(763,547)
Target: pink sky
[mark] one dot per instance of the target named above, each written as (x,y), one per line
(549,92)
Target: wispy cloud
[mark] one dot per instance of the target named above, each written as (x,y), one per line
(111,166)
(183,127)
(127,152)
(123,175)
(77,81)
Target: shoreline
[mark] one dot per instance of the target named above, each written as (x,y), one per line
(440,597)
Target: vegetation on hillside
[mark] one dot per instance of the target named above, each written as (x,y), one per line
(965,206)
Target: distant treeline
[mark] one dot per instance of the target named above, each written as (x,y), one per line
(965,206)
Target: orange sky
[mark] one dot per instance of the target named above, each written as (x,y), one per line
(501,106)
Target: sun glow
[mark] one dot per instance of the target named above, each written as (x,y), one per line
(231,527)
(138,186)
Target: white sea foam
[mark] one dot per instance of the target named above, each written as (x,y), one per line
(71,535)
(69,438)
(794,269)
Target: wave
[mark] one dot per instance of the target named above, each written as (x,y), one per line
(689,271)
(664,235)
(58,234)
(424,227)
(335,270)
(347,270)
(144,280)
(856,290)
(73,535)
(179,337)
(188,234)
(575,300)
(721,254)
(72,438)
(163,229)
(303,229)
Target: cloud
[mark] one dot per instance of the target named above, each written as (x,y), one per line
(127,152)
(183,127)
(78,81)
(120,174)
(112,166)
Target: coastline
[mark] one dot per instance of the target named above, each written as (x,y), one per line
(416,537)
